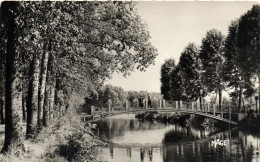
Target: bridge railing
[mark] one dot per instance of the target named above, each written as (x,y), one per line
(205,107)
(195,106)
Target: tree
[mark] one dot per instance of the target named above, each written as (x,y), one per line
(177,90)
(231,74)
(100,40)
(247,58)
(211,59)
(2,69)
(132,95)
(63,49)
(190,72)
(248,41)
(87,43)
(121,93)
(166,69)
(13,114)
(32,106)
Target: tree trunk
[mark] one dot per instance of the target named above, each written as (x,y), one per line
(240,98)
(1,107)
(32,106)
(200,103)
(46,106)
(2,110)
(258,74)
(51,107)
(42,87)
(13,105)
(220,100)
(47,100)
(56,90)
(24,107)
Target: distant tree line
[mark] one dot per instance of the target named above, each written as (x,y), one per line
(220,63)
(55,54)
(99,98)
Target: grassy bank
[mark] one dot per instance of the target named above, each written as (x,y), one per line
(66,140)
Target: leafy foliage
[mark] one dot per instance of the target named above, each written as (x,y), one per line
(211,60)
(166,70)
(190,72)
(85,43)
(177,89)
(248,58)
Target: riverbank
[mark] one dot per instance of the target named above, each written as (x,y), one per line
(176,118)
(66,140)
(251,123)
(182,119)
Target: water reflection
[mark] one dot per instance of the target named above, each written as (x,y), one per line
(135,140)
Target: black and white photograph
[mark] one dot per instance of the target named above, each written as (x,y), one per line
(129,81)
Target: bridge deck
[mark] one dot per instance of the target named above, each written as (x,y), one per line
(201,113)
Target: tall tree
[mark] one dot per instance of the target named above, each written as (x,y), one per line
(231,74)
(176,84)
(83,44)
(211,59)
(166,70)
(2,69)
(32,106)
(13,105)
(189,65)
(248,43)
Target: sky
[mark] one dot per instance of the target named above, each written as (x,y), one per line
(172,25)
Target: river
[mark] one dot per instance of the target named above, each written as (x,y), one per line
(134,140)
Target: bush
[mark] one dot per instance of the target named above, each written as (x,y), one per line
(78,148)
(71,140)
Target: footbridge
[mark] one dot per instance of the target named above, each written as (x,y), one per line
(221,116)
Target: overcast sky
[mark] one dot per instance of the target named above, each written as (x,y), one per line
(172,26)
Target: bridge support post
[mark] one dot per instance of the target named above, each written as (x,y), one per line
(127,105)
(230,109)
(163,103)
(192,106)
(109,108)
(180,104)
(214,108)
(176,103)
(193,147)
(146,103)
(92,110)
(182,149)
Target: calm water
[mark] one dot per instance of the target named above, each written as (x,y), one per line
(133,140)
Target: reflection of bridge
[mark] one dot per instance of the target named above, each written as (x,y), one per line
(231,118)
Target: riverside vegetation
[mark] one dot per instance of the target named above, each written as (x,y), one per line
(250,123)
(221,63)
(68,139)
(182,119)
(54,55)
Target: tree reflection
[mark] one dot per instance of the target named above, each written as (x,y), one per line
(188,147)
(178,143)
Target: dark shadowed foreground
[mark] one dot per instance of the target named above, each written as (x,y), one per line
(66,140)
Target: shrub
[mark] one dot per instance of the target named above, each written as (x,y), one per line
(71,140)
